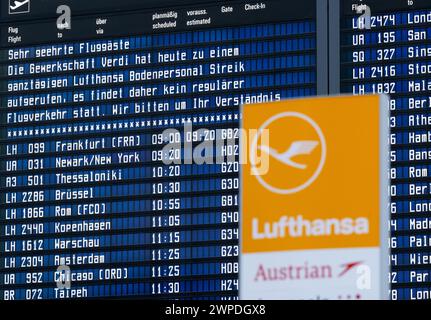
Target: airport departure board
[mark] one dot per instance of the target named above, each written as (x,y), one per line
(386,48)
(92,204)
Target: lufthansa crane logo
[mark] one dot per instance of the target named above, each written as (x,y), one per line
(296,154)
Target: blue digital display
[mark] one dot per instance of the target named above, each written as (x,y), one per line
(84,183)
(392,56)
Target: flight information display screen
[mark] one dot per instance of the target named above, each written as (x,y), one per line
(390,53)
(92,205)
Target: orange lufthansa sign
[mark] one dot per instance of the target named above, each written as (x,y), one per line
(322,186)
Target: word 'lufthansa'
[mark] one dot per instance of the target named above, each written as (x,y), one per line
(300,227)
